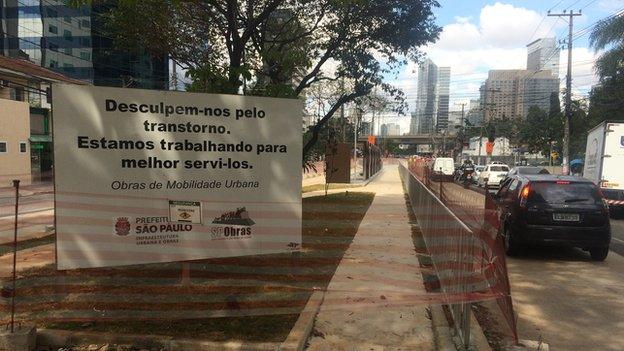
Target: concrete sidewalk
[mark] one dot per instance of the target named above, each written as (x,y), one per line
(376,299)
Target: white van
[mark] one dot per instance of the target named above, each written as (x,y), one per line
(443,166)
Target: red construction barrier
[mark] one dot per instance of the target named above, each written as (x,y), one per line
(464,241)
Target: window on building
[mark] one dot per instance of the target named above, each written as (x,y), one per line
(3,147)
(85,56)
(86,41)
(53,64)
(17,94)
(68,51)
(53,47)
(22,147)
(67,19)
(53,29)
(86,23)
(52,13)
(38,123)
(67,35)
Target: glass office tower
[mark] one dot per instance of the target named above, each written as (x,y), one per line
(72,41)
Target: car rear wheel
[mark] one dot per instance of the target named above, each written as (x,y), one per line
(599,253)
(511,246)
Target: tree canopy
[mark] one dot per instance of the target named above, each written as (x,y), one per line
(607,98)
(280,48)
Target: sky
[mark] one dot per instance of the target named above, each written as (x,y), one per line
(478,36)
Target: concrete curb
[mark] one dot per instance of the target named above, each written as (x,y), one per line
(294,342)
(52,338)
(300,332)
(442,333)
(479,342)
(477,335)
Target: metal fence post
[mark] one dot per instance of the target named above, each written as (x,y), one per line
(16,183)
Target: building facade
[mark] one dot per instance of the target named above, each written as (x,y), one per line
(390,129)
(432,99)
(454,122)
(510,93)
(443,94)
(71,41)
(14,142)
(543,55)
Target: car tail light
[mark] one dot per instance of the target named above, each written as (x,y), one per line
(605,207)
(524,195)
(563,182)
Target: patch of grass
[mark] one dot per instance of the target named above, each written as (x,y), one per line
(255,329)
(320,187)
(128,296)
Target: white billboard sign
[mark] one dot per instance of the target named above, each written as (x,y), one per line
(156,176)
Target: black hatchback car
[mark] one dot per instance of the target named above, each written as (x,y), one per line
(553,210)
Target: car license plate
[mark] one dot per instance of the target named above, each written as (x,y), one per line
(502,175)
(566,217)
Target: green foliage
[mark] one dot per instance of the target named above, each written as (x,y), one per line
(607,99)
(280,47)
(337,130)
(608,37)
(540,131)
(392,147)
(579,126)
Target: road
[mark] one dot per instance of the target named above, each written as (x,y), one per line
(617,236)
(559,294)
(570,302)
(36,213)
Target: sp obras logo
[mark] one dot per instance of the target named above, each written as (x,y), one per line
(232,225)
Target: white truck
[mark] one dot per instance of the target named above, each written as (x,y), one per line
(604,162)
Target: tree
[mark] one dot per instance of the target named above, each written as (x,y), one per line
(608,35)
(280,47)
(607,98)
(532,133)
(579,127)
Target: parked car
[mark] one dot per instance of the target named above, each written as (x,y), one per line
(492,175)
(527,170)
(477,171)
(442,168)
(553,210)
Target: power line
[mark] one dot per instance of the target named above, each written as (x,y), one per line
(591,2)
(574,3)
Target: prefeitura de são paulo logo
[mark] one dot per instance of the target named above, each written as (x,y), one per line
(122,226)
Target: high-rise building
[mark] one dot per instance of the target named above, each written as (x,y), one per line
(454,122)
(543,55)
(475,113)
(390,129)
(432,99)
(71,41)
(444,82)
(510,93)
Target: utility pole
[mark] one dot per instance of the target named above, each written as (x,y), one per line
(568,102)
(463,106)
(461,126)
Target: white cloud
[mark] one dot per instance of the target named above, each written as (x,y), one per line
(496,40)
(583,74)
(611,5)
